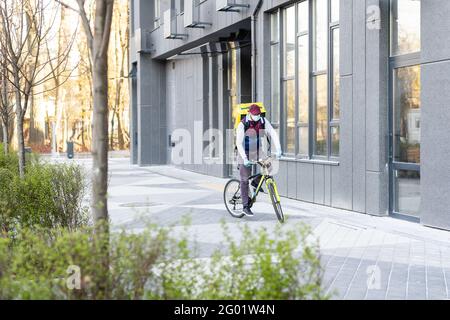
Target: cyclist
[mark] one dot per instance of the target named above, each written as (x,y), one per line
(248,139)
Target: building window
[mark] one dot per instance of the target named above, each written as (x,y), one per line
(275,70)
(307,67)
(157,13)
(405,27)
(404,63)
(289,78)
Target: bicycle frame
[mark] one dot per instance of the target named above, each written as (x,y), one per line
(265,178)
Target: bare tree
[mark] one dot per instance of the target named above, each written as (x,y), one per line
(27,27)
(98,42)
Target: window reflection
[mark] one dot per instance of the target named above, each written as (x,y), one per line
(289,41)
(335,138)
(336,83)
(320,104)
(320,39)
(274,27)
(405,26)
(407,114)
(407,190)
(303,13)
(303,78)
(275,108)
(303,133)
(290,115)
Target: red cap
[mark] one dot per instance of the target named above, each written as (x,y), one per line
(254,110)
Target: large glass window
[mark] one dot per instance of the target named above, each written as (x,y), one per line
(326,103)
(290,115)
(303,94)
(320,35)
(336,75)
(405,26)
(309,64)
(289,77)
(405,107)
(320,105)
(407,190)
(289,42)
(275,70)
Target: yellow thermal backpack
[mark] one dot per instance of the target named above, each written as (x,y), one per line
(241,110)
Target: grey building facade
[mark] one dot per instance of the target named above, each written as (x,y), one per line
(359,91)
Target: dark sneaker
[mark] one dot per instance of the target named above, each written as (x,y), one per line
(255,186)
(248,212)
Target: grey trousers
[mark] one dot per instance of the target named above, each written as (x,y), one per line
(245,173)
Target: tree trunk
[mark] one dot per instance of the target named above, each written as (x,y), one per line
(20,145)
(112,132)
(100,115)
(120,133)
(5,137)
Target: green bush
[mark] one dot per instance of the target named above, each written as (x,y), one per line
(49,195)
(9,161)
(285,265)
(152,265)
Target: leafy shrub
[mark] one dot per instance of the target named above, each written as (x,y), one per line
(152,265)
(49,195)
(9,161)
(285,265)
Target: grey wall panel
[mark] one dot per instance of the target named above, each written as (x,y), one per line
(342,175)
(435,30)
(281,178)
(319,184)
(435,146)
(377,53)
(327,185)
(435,114)
(305,182)
(377,196)
(359,105)
(291,180)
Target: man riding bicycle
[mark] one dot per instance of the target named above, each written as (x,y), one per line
(248,140)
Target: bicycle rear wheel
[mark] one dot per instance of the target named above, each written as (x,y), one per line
(276,204)
(232,198)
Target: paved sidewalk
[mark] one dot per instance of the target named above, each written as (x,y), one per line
(410,261)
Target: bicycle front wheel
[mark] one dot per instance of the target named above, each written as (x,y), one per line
(275,201)
(232,198)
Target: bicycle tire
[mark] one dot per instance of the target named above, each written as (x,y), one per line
(276,204)
(234,213)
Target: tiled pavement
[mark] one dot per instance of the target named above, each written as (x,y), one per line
(364,257)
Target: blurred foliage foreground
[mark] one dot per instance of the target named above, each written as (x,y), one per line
(49,250)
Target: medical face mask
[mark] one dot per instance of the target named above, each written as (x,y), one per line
(255,118)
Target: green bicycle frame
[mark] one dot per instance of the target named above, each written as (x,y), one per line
(268,180)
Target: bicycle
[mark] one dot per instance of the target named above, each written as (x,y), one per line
(232,194)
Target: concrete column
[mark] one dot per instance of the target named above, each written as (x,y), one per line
(152,137)
(377,131)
